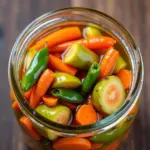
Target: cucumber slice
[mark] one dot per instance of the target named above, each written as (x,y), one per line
(80,57)
(64,80)
(90,32)
(108,95)
(120,64)
(60,114)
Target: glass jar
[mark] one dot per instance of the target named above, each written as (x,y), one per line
(110,131)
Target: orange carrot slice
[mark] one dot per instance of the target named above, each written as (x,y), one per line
(57,37)
(43,84)
(15,106)
(27,124)
(57,64)
(94,43)
(28,94)
(50,100)
(72,143)
(108,62)
(86,114)
(126,77)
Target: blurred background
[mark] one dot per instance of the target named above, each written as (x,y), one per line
(15,15)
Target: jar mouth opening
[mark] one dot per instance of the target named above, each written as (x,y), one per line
(108,122)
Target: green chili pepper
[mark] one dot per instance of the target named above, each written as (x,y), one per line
(37,66)
(91,77)
(67,95)
(80,57)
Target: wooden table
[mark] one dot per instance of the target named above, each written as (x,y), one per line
(16,14)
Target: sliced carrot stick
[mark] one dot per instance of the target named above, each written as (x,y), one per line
(86,114)
(15,106)
(95,146)
(95,43)
(50,100)
(43,84)
(70,105)
(57,64)
(126,77)
(28,94)
(113,146)
(72,143)
(27,124)
(34,98)
(12,95)
(57,55)
(57,37)
(108,62)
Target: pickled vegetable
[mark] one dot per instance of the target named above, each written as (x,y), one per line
(37,66)
(80,57)
(67,95)
(64,80)
(29,57)
(60,114)
(108,95)
(90,32)
(120,64)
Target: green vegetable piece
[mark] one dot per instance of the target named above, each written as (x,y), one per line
(29,57)
(80,57)
(64,80)
(37,66)
(90,32)
(60,114)
(120,64)
(114,133)
(91,77)
(67,95)
(108,95)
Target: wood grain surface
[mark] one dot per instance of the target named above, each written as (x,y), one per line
(16,14)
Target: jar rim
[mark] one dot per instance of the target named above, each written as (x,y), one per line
(100,126)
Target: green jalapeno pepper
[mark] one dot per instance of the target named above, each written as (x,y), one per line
(64,80)
(80,57)
(37,66)
(67,95)
(91,77)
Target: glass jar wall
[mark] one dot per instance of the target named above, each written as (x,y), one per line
(106,134)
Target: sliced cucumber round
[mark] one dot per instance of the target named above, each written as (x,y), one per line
(108,95)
